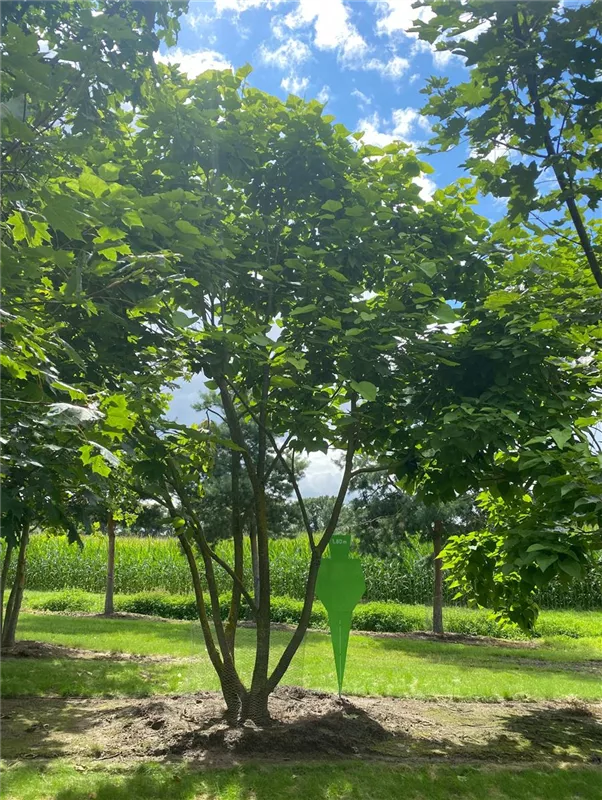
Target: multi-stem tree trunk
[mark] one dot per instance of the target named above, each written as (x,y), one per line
(237,538)
(16,595)
(242,703)
(254,556)
(5,568)
(110,587)
(438,588)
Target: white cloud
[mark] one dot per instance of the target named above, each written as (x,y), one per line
(323,474)
(198,20)
(324,94)
(293,51)
(399,16)
(293,84)
(427,186)
(393,69)
(441,58)
(238,6)
(194,64)
(332,28)
(372,134)
(404,124)
(406,119)
(363,100)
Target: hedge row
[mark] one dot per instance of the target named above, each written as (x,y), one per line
(380,617)
(145,564)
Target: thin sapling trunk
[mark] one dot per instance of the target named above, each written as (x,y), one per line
(438,588)
(5,568)
(110,587)
(16,595)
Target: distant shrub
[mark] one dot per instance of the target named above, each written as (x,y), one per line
(377,617)
(157,604)
(66,600)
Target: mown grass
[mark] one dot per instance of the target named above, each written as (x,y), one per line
(555,669)
(62,780)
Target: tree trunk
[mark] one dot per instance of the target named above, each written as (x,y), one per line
(3,579)
(232,689)
(110,587)
(16,595)
(237,538)
(254,556)
(257,708)
(438,590)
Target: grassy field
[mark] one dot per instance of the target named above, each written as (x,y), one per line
(69,748)
(553,668)
(343,781)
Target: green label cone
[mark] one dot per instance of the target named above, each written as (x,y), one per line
(340,587)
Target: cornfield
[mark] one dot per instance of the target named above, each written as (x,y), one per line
(146,564)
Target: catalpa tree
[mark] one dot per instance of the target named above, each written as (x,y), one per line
(289,231)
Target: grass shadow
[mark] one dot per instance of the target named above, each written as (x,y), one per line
(78,677)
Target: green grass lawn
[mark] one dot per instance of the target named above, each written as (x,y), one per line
(62,780)
(556,668)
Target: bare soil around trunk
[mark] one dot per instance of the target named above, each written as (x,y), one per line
(306,725)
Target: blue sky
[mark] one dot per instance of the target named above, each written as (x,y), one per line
(357,57)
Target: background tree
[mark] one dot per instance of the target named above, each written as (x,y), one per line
(530,109)
(386,519)
(69,277)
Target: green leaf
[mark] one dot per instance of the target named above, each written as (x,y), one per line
(118,415)
(331,323)
(182,320)
(544,561)
(244,71)
(186,227)
(501,299)
(132,219)
(332,205)
(428,267)
(356,211)
(74,393)
(338,276)
(444,313)
(109,171)
(422,288)
(261,339)
(561,437)
(303,309)
(366,389)
(571,567)
(283,381)
(109,457)
(61,215)
(92,184)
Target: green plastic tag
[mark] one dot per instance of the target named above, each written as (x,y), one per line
(340,587)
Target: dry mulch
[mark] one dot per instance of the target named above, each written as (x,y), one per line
(305,725)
